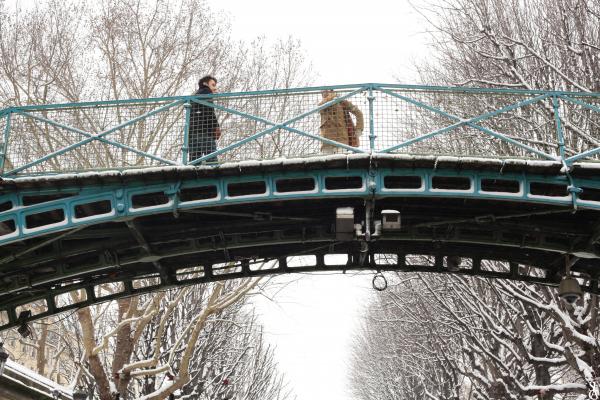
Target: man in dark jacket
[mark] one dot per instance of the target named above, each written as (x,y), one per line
(204,128)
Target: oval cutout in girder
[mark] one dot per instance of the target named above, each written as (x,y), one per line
(500,186)
(529,270)
(94,208)
(186,274)
(36,307)
(198,193)
(246,188)
(402,182)
(64,300)
(502,267)
(548,189)
(307,260)
(7,205)
(44,218)
(149,199)
(108,289)
(450,183)
(146,282)
(590,194)
(294,185)
(343,182)
(29,200)
(7,227)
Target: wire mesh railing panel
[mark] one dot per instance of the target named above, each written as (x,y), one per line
(31,140)
(301,123)
(581,126)
(115,136)
(432,122)
(159,134)
(92,156)
(234,130)
(255,127)
(530,125)
(277,144)
(465,141)
(398,120)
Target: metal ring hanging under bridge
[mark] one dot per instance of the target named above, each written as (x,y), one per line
(379,282)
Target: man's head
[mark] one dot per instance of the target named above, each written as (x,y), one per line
(208,81)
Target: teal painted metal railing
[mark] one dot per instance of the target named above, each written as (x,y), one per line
(286,123)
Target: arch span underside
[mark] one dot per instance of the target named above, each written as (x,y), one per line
(153,229)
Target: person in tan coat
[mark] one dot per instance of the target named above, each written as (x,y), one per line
(338,125)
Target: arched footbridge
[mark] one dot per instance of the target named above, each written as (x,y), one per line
(498,183)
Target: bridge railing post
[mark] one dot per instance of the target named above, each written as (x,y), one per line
(187,106)
(559,133)
(371,99)
(4,145)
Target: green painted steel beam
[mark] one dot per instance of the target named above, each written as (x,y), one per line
(126,201)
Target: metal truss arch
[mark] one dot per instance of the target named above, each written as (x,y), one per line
(156,229)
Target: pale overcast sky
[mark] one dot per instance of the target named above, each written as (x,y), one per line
(312,320)
(347,41)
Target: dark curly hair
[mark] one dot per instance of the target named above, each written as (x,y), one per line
(206,79)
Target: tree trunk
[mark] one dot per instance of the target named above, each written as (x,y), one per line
(95,365)
(542,373)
